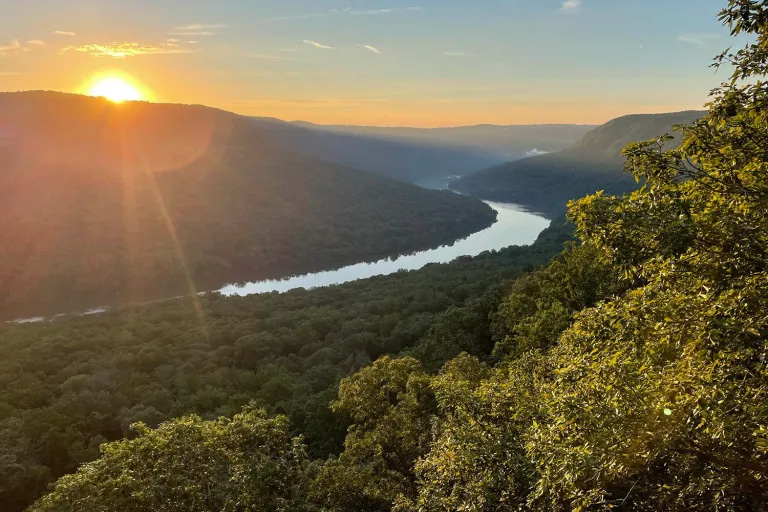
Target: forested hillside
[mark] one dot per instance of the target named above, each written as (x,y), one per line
(497,138)
(628,374)
(546,183)
(428,157)
(105,203)
(74,383)
(425,163)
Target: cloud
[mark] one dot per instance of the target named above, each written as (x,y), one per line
(459,53)
(699,39)
(198,29)
(332,103)
(64,33)
(15,46)
(570,6)
(12,73)
(274,57)
(200,26)
(348,11)
(127,49)
(197,34)
(369,12)
(372,49)
(317,45)
(536,152)
(12,47)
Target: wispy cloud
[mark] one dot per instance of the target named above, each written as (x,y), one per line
(11,47)
(201,26)
(569,6)
(198,29)
(64,33)
(349,12)
(699,39)
(196,34)
(332,103)
(127,49)
(370,48)
(317,45)
(376,12)
(461,54)
(12,73)
(15,46)
(261,56)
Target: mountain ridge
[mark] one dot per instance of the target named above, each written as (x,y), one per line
(545,183)
(426,157)
(105,212)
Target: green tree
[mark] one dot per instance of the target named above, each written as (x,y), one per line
(541,305)
(659,399)
(390,405)
(477,462)
(249,462)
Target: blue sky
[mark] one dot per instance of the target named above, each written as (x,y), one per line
(386,62)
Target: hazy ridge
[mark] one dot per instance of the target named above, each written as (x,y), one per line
(546,183)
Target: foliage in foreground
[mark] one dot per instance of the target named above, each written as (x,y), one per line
(653,396)
(69,385)
(189,465)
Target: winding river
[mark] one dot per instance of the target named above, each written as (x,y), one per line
(514,226)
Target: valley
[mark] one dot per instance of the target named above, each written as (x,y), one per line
(106,215)
(545,183)
(339,244)
(314,256)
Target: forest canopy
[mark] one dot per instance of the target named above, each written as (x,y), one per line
(630,373)
(69,385)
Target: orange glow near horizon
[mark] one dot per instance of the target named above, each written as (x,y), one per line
(116,87)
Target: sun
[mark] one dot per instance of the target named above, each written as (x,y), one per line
(116,89)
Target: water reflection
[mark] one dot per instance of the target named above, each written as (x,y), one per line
(514,226)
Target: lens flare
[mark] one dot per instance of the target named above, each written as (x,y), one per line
(116,88)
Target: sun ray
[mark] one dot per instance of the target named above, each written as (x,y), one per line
(116,87)
(176,242)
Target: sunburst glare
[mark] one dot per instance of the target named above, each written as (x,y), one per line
(116,88)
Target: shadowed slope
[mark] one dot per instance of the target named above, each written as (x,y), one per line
(110,203)
(546,183)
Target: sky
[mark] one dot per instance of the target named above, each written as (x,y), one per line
(420,63)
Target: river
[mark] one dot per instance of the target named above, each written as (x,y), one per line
(514,226)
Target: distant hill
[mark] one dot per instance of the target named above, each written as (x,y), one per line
(428,157)
(546,183)
(104,203)
(501,138)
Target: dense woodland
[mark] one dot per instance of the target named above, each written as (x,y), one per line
(142,199)
(630,373)
(546,183)
(73,383)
